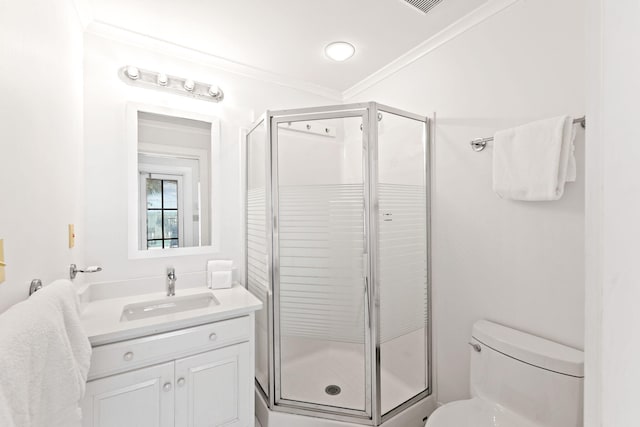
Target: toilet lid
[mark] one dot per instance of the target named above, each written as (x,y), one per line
(475,413)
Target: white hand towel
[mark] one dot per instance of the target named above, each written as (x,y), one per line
(44,359)
(533,162)
(217,265)
(221,279)
(220,265)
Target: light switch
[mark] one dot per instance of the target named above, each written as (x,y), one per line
(72,236)
(2,264)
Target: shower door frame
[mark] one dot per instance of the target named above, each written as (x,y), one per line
(333,412)
(369,111)
(264,120)
(375,108)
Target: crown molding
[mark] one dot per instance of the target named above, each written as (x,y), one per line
(84,12)
(449,33)
(112,32)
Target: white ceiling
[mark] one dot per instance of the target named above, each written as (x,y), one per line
(287,37)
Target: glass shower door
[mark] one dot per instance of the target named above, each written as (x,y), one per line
(258,243)
(402,257)
(320,247)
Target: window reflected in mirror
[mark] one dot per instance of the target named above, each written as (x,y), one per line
(174,176)
(162,212)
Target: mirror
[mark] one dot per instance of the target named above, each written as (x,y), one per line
(171,176)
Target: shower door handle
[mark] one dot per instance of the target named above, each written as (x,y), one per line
(367,294)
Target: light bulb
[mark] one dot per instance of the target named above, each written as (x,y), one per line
(133,73)
(189,85)
(163,80)
(214,91)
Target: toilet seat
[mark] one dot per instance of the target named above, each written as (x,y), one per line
(476,412)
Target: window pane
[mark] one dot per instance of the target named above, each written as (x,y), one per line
(154,197)
(170,194)
(154,224)
(170,224)
(171,243)
(154,244)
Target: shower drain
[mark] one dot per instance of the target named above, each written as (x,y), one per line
(332,389)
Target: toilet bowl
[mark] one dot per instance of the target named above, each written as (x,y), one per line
(478,413)
(517,380)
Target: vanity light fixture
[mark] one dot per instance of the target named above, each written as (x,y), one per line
(178,85)
(339,51)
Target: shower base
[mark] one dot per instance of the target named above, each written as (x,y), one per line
(411,417)
(333,373)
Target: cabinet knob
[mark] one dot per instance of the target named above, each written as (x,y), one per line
(181,382)
(166,387)
(128,356)
(213,336)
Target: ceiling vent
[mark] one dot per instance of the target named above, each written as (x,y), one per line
(423,5)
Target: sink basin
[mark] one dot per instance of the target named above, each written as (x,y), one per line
(168,305)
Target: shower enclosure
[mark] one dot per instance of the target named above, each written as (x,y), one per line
(337,249)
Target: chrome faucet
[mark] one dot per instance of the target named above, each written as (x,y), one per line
(171,281)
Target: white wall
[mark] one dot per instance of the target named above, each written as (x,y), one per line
(106,97)
(516,263)
(41,150)
(593,220)
(613,209)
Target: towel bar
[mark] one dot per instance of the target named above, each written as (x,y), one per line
(36,285)
(74,270)
(480,144)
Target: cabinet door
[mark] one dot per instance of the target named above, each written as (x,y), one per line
(215,388)
(140,398)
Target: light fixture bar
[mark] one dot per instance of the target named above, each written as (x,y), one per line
(180,86)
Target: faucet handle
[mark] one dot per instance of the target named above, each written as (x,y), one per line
(171,273)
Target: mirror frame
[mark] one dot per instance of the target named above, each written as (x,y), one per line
(133,204)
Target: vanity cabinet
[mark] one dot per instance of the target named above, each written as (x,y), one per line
(211,388)
(199,376)
(134,398)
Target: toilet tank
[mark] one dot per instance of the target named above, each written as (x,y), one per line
(536,378)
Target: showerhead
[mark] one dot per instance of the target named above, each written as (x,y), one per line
(423,5)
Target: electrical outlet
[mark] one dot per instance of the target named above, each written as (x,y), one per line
(72,236)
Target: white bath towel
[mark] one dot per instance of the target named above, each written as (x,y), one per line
(533,162)
(44,359)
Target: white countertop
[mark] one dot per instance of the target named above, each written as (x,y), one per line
(101,317)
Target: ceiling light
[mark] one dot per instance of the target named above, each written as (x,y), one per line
(133,73)
(339,51)
(189,85)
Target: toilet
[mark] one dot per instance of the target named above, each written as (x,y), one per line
(517,380)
